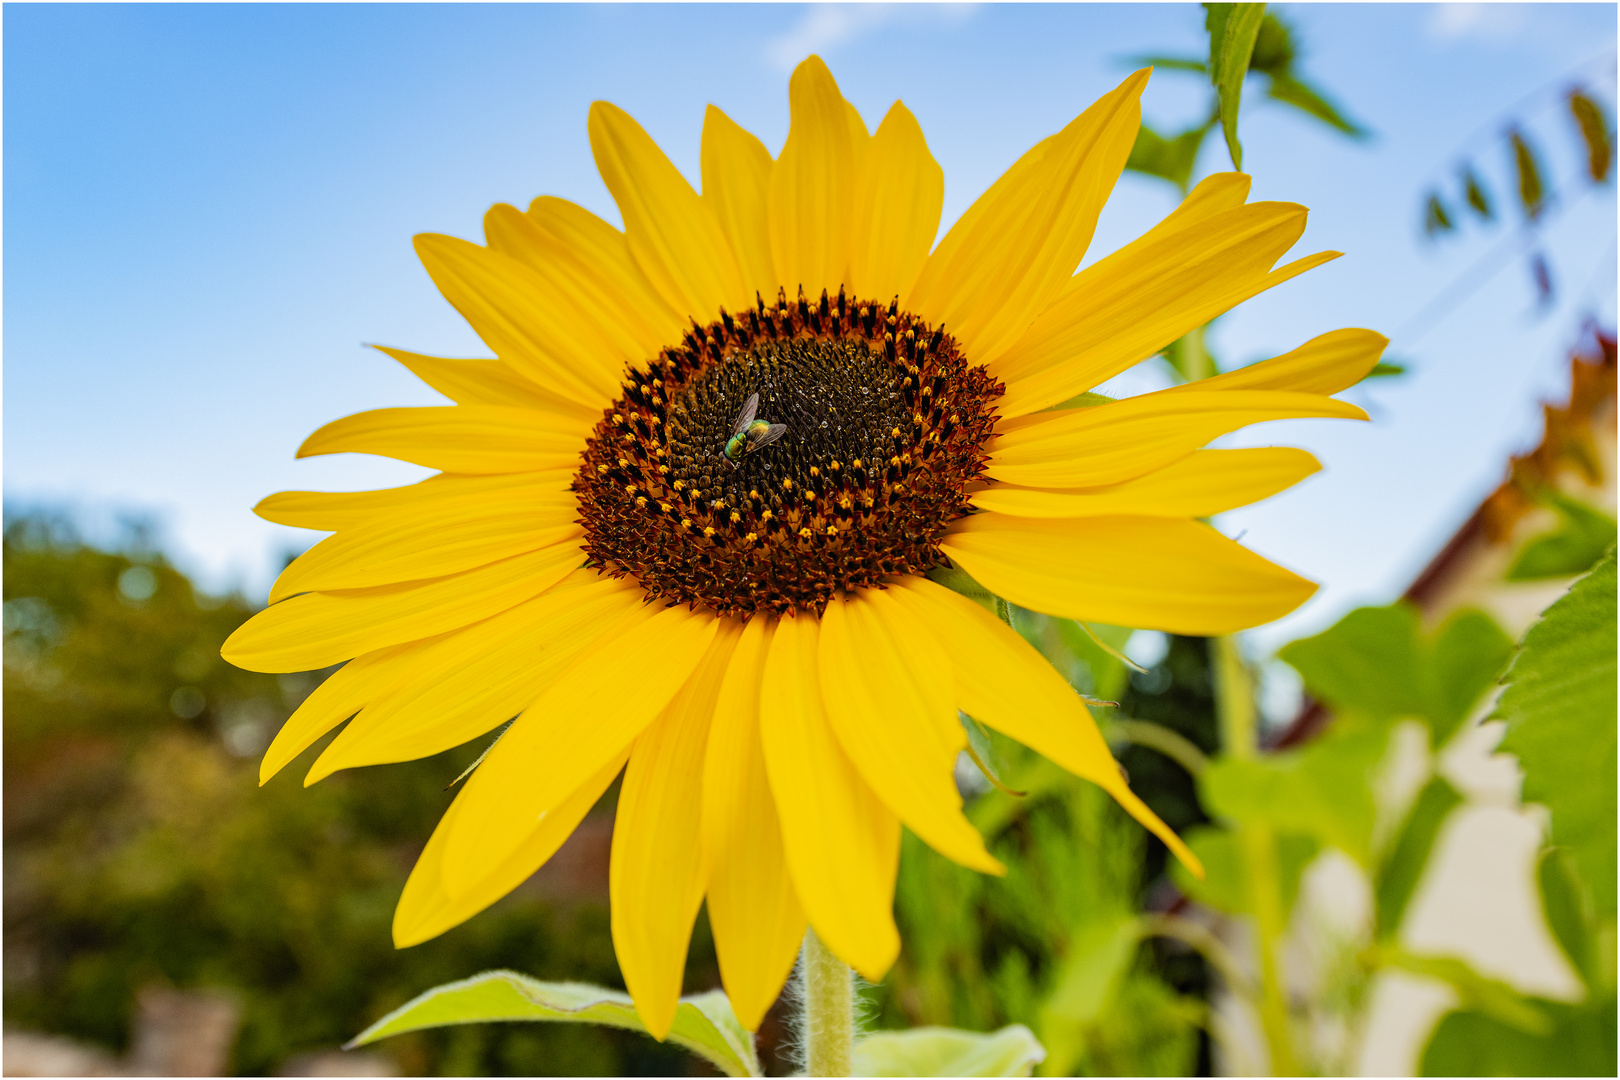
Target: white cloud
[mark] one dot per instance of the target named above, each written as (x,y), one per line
(823,27)
(1489,22)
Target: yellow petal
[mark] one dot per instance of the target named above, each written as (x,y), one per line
(493,382)
(1015,247)
(1111,443)
(657,872)
(673,236)
(455,527)
(886,690)
(843,844)
(570,732)
(812,188)
(427,908)
(600,253)
(470,682)
(1325,364)
(1124,308)
(1153,573)
(316,630)
(736,186)
(756,917)
(454,438)
(329,511)
(512,309)
(339,697)
(1202,484)
(898,196)
(577,293)
(1002,681)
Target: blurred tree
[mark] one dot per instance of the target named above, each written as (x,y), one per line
(140,849)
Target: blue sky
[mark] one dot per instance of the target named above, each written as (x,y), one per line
(208,210)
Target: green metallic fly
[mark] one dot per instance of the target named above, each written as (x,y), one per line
(748,434)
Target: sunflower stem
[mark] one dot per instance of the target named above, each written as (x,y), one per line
(1258,847)
(827,989)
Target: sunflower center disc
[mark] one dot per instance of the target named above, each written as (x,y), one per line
(884,427)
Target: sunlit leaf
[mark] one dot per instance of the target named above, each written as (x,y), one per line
(1532,191)
(1273,47)
(1403,867)
(937,1051)
(1594,132)
(1560,711)
(704,1023)
(1232,32)
(1583,535)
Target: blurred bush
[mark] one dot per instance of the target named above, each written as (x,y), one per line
(140,850)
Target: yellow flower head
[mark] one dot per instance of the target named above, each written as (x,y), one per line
(683,519)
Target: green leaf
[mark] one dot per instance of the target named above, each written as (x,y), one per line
(1584,534)
(1436,218)
(960,581)
(1099,954)
(1532,190)
(1566,905)
(1403,867)
(938,1051)
(1273,47)
(1464,661)
(704,1023)
(1375,662)
(1595,133)
(1383,369)
(1169,63)
(1367,662)
(982,749)
(1491,997)
(1560,711)
(1474,1043)
(1474,194)
(1324,790)
(1169,159)
(1232,32)
(1291,91)
(1226,886)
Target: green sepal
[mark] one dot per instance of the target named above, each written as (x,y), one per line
(704,1023)
(983,751)
(938,1051)
(961,581)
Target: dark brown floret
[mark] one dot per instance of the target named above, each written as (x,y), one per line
(885,427)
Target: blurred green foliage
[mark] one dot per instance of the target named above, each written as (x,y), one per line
(139,847)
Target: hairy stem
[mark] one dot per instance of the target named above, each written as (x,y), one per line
(828,992)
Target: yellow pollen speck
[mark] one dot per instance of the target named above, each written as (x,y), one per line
(624,463)
(786,483)
(814,471)
(708,530)
(751,537)
(752,494)
(629,436)
(810,495)
(686,523)
(663,470)
(679,485)
(602,469)
(836,466)
(735,517)
(895,433)
(832,530)
(806,533)
(641,502)
(629,489)
(664,506)
(857,463)
(846,503)
(618,418)
(894,461)
(766,516)
(917,418)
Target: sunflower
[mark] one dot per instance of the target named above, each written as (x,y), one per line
(625,552)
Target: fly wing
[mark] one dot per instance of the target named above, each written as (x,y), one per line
(770,435)
(749,410)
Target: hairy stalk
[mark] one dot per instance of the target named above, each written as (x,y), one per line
(827,990)
(1258,847)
